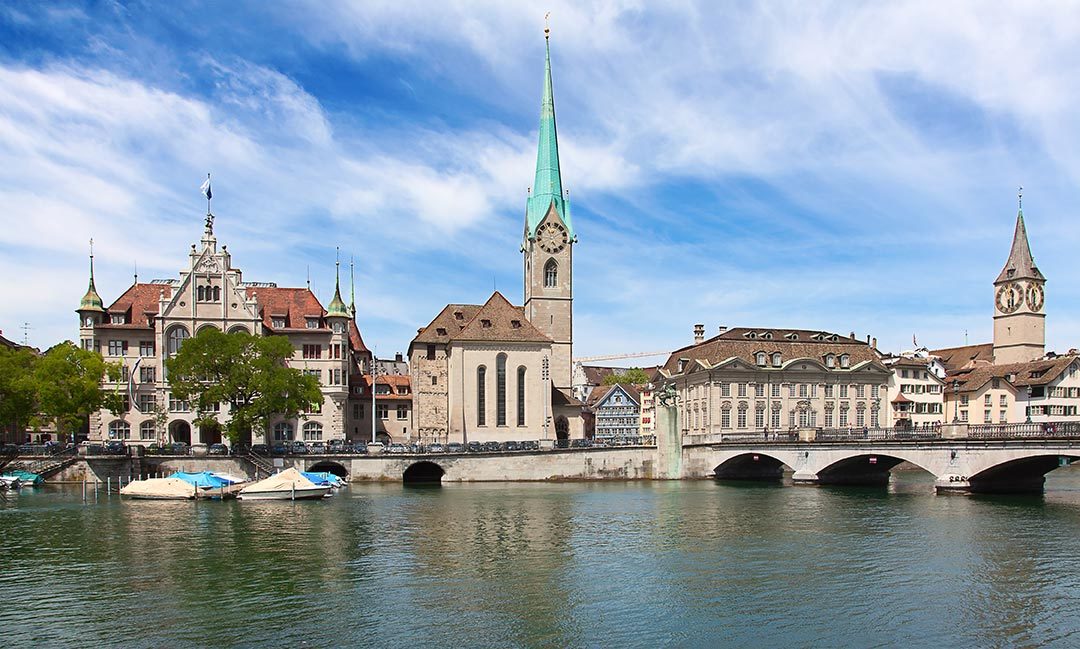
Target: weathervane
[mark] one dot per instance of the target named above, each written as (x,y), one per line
(547,27)
(1020,197)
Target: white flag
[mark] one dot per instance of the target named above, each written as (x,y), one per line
(205,189)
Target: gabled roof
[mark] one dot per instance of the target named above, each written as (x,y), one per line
(496,320)
(955,358)
(138,304)
(451,320)
(1020,264)
(356,341)
(743,343)
(1020,375)
(293,304)
(601,392)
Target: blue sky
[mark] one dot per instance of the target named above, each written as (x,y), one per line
(842,166)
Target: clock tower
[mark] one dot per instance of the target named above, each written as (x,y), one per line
(1019,304)
(548,244)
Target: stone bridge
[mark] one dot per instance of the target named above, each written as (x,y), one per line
(989,466)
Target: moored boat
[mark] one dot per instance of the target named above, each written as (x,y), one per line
(289,484)
(160,489)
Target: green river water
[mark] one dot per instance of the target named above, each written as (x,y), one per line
(680,564)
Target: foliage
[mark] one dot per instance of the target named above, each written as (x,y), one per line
(247,372)
(67,380)
(632,376)
(18,390)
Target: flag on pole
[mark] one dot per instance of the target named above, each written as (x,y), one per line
(131,385)
(205,189)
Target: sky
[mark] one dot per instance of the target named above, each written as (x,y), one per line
(841,166)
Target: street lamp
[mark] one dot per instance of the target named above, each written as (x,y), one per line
(956,400)
(1028,408)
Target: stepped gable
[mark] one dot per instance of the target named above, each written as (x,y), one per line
(956,358)
(1021,375)
(293,304)
(451,320)
(744,342)
(499,321)
(138,305)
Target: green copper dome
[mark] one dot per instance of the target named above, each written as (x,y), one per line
(337,308)
(92,301)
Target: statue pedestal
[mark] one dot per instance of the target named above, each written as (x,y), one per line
(668,443)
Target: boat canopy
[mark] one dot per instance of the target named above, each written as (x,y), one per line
(168,488)
(25,477)
(202,479)
(283,481)
(322,478)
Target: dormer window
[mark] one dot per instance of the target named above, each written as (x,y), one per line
(440,331)
(277,323)
(792,336)
(485,323)
(1011,272)
(118,318)
(767,335)
(312,323)
(759,358)
(776,359)
(751,334)
(458,315)
(830,361)
(516,324)
(682,364)
(833,338)
(845,361)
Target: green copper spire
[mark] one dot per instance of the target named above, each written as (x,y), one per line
(547,187)
(337,308)
(91,301)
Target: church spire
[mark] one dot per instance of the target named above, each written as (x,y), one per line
(91,301)
(1021,264)
(337,308)
(352,287)
(547,186)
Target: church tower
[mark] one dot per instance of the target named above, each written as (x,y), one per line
(548,244)
(1019,301)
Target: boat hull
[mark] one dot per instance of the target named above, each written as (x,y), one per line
(306,493)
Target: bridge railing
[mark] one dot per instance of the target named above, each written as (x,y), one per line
(818,434)
(1025,430)
(874,434)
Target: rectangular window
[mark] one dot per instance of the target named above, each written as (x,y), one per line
(314,373)
(312,323)
(873,392)
(434,380)
(178,405)
(1004,401)
(725,389)
(742,389)
(843,417)
(759,390)
(312,351)
(860,391)
(986,400)
(147,402)
(988,416)
(402,411)
(146,348)
(742,418)
(759,419)
(963,399)
(776,418)
(776,390)
(117,347)
(335,377)
(382,411)
(828,418)
(147,374)
(725,418)
(802,390)
(860,418)
(277,323)
(843,393)
(873,418)
(963,415)
(431,352)
(828,391)
(125,373)
(791,389)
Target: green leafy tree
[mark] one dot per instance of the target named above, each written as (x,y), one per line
(247,372)
(632,376)
(68,384)
(18,390)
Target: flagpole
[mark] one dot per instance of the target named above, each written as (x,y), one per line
(208,194)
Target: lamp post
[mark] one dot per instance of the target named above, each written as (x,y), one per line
(1028,406)
(374,373)
(956,401)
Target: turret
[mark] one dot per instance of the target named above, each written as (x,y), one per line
(91,308)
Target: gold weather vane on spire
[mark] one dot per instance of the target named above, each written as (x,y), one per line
(547,26)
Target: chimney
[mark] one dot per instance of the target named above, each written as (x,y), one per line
(397,357)
(699,333)
(852,335)
(867,339)
(723,328)
(873,343)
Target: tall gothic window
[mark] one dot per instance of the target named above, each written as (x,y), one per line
(174,338)
(200,293)
(481,396)
(521,396)
(551,274)
(217,293)
(500,390)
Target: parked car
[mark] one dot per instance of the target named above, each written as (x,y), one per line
(436,448)
(336,446)
(260,449)
(511,446)
(580,443)
(454,447)
(217,449)
(115,448)
(359,447)
(473,447)
(317,448)
(490,447)
(298,448)
(397,449)
(530,446)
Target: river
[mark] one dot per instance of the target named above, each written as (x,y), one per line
(680,564)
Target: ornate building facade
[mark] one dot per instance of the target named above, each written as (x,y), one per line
(149,322)
(499,372)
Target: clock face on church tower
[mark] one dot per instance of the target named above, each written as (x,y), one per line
(552,237)
(1035,297)
(1010,297)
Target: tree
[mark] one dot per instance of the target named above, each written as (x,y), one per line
(68,385)
(247,372)
(18,391)
(632,376)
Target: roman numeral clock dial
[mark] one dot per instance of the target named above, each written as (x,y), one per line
(552,237)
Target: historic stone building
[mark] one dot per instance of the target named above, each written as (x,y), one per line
(753,380)
(616,414)
(498,372)
(1019,304)
(150,321)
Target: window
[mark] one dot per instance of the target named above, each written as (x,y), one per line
(200,293)
(845,361)
(742,389)
(988,416)
(776,359)
(146,348)
(1004,401)
(725,417)
(843,392)
(860,417)
(776,390)
(551,274)
(760,358)
(335,377)
(147,374)
(802,390)
(431,354)
(987,400)
(339,327)
(147,431)
(283,431)
(311,323)
(119,430)
(434,380)
(963,415)
(873,391)
(521,396)
(312,431)
(843,417)
(791,389)
(874,418)
(828,390)
(402,411)
(481,396)
(178,405)
(775,422)
(500,390)
(174,338)
(1002,416)
(312,351)
(147,402)
(860,390)
(759,416)
(117,347)
(830,361)
(963,399)
(725,389)
(742,417)
(382,411)
(314,373)
(828,418)
(277,323)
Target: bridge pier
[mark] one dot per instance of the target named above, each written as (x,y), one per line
(804,477)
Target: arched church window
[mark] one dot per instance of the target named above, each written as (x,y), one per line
(200,293)
(521,396)
(217,293)
(551,274)
(500,390)
(174,338)
(481,396)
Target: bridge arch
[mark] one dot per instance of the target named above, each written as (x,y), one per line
(423,472)
(862,468)
(327,466)
(1019,475)
(750,466)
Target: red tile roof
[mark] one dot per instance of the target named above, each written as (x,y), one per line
(496,320)
(744,343)
(954,358)
(137,304)
(293,304)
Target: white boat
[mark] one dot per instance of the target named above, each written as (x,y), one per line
(9,482)
(160,489)
(290,484)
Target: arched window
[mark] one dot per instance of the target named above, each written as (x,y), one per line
(776,359)
(238,329)
(760,358)
(283,431)
(217,293)
(845,360)
(481,396)
(551,274)
(119,430)
(830,360)
(521,396)
(312,431)
(174,338)
(500,390)
(147,431)
(200,293)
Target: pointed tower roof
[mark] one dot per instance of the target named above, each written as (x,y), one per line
(91,301)
(1020,265)
(547,186)
(337,308)
(352,287)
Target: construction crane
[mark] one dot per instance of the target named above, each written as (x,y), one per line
(615,357)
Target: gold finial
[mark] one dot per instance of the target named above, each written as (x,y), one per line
(1020,197)
(547,27)
(91,247)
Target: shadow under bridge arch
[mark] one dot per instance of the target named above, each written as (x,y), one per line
(1023,475)
(868,469)
(327,466)
(750,466)
(423,472)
